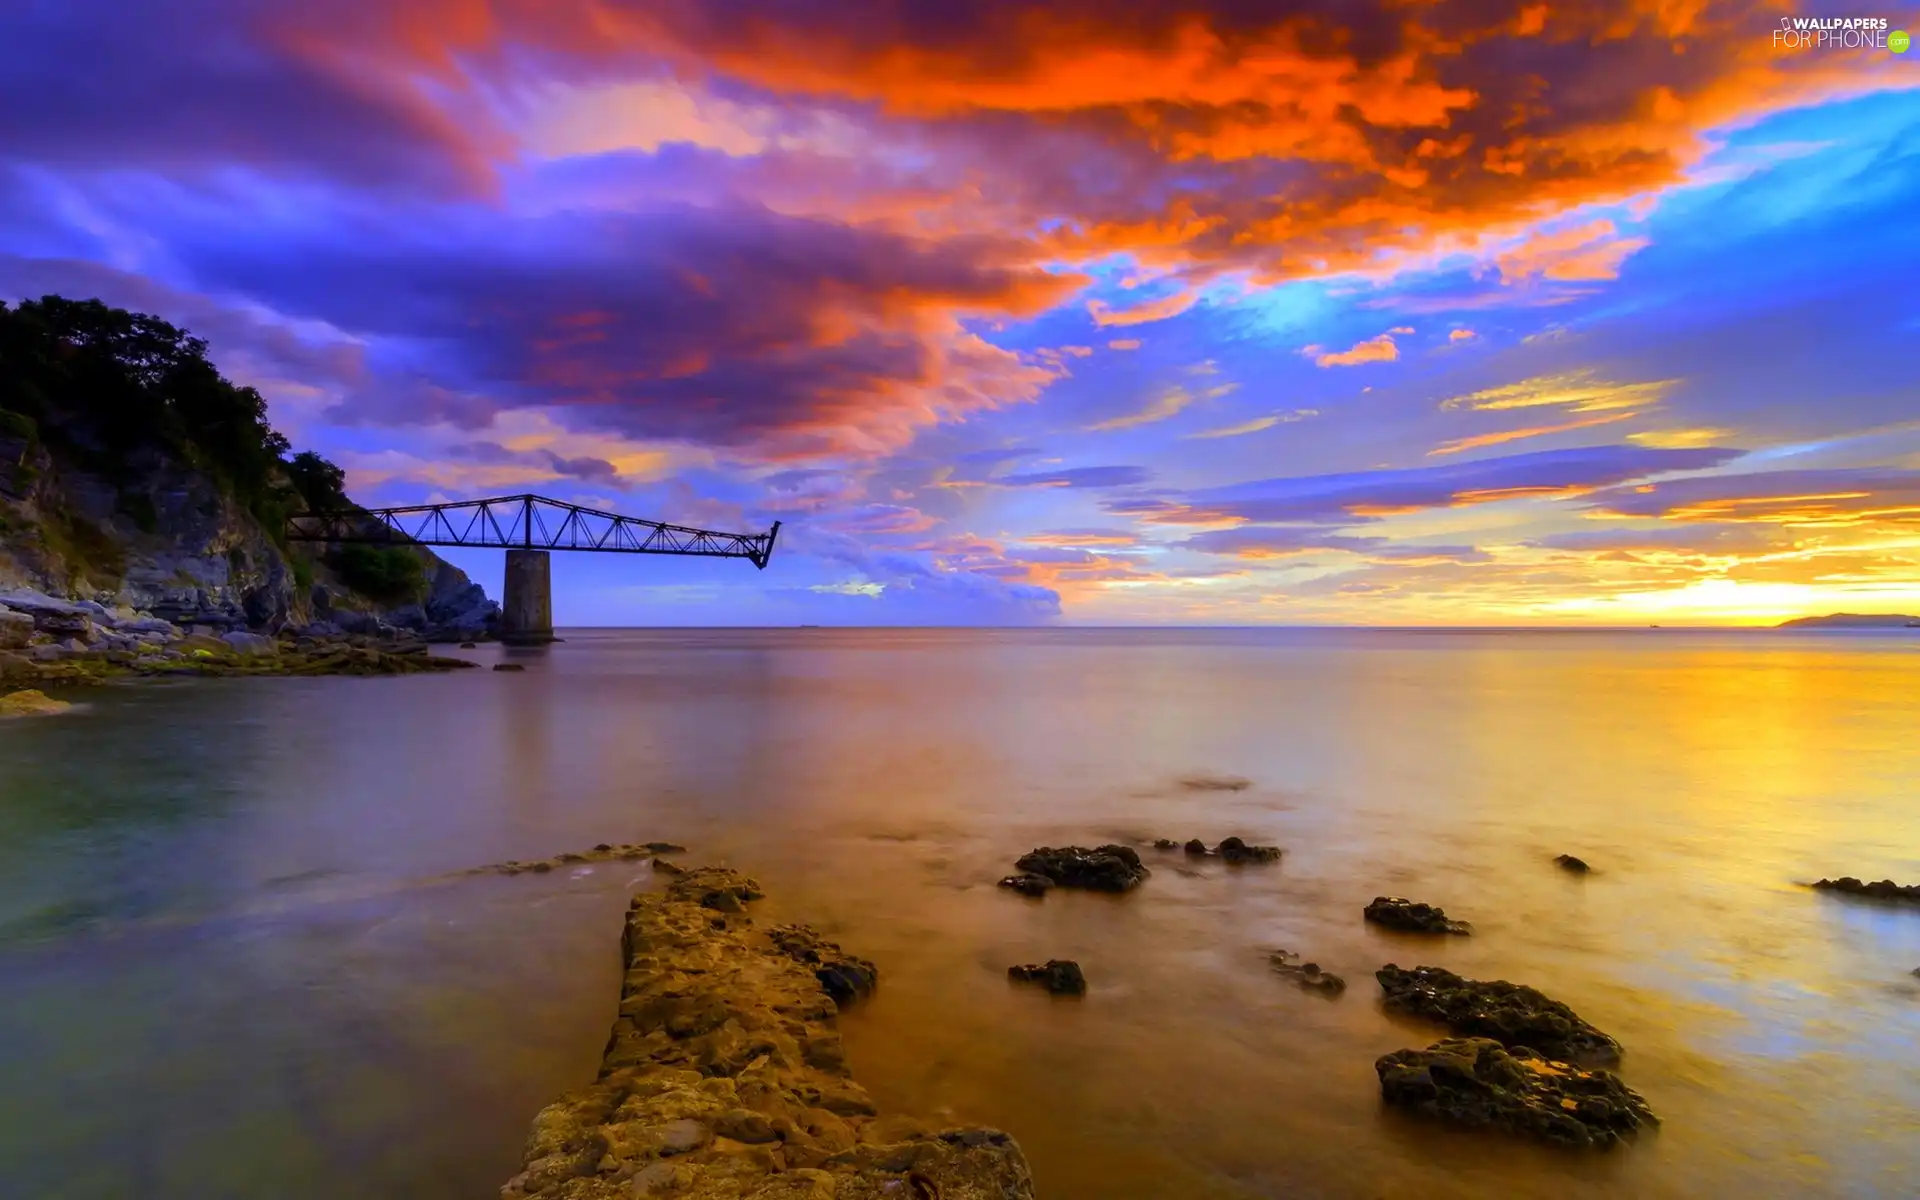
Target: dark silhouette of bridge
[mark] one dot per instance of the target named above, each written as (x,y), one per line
(527,527)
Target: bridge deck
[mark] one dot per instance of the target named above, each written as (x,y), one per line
(526,522)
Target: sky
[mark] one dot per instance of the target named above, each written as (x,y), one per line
(1226,312)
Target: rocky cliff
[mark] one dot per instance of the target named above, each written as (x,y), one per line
(134,477)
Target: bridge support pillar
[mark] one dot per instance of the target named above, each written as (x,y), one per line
(526,613)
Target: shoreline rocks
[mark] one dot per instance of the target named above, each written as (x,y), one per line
(1060,976)
(725,1076)
(1884,889)
(1307,974)
(44,640)
(1408,916)
(1511,1014)
(1478,1082)
(1109,868)
(1568,862)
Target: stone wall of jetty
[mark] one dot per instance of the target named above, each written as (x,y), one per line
(725,1078)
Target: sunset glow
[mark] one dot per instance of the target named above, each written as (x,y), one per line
(1041,312)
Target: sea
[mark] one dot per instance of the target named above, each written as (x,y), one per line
(238,957)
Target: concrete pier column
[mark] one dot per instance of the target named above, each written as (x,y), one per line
(526,613)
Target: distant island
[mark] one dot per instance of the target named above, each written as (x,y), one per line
(1854,621)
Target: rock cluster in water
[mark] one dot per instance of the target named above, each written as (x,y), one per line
(1885,889)
(604,852)
(725,1077)
(1061,976)
(1478,1081)
(1408,916)
(1307,974)
(1510,1013)
(1234,850)
(1101,869)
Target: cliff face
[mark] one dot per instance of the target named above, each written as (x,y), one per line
(121,483)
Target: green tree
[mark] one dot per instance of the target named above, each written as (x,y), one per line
(321,484)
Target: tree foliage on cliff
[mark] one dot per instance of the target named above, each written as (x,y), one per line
(391,574)
(106,383)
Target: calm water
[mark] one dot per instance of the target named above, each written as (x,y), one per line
(225,970)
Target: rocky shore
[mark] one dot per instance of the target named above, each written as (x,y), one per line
(724,1077)
(49,641)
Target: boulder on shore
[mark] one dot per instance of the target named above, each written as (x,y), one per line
(725,1076)
(1102,869)
(31,703)
(1885,889)
(1408,916)
(1510,1013)
(1478,1082)
(1060,976)
(16,629)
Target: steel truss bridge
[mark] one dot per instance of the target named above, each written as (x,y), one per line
(525,522)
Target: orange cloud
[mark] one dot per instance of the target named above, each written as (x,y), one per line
(1140,314)
(1374,349)
(1460,335)
(1124,344)
(1513,435)
(1408,128)
(1591,251)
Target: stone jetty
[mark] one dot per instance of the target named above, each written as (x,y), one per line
(725,1076)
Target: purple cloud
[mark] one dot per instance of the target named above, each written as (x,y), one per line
(736,327)
(1080,477)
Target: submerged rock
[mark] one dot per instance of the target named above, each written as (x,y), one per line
(1885,889)
(1028,884)
(1196,848)
(1307,974)
(1060,976)
(1102,869)
(1235,850)
(1216,783)
(1165,844)
(508,667)
(1510,1013)
(1411,917)
(31,703)
(1478,1082)
(1577,865)
(725,1076)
